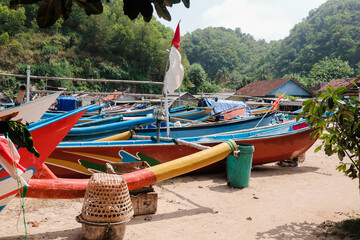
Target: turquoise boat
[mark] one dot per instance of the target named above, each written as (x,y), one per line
(201,129)
(272,143)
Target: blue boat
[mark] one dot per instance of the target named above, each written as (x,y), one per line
(272,143)
(210,128)
(105,130)
(100,121)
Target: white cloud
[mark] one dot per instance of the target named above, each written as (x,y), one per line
(264,19)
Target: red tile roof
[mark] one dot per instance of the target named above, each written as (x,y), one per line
(264,87)
(336,83)
(261,88)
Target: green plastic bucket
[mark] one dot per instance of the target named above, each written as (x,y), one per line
(239,167)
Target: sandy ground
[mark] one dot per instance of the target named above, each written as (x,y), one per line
(280,203)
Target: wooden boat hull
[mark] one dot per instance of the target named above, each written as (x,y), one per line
(234,113)
(46,136)
(132,113)
(209,128)
(62,188)
(82,161)
(193,114)
(105,130)
(32,111)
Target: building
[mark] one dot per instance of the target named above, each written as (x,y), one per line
(269,88)
(351,90)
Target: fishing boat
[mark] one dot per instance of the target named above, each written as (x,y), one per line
(272,144)
(104,130)
(101,128)
(226,109)
(46,136)
(100,121)
(180,112)
(133,113)
(195,114)
(32,111)
(49,186)
(201,129)
(261,110)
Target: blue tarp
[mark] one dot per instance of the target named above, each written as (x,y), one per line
(222,106)
(66,103)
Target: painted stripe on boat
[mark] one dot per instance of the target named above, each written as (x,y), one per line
(192,162)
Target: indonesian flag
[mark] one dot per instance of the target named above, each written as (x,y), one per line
(176,40)
(277,102)
(175,74)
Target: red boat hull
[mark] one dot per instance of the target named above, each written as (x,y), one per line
(81,162)
(45,140)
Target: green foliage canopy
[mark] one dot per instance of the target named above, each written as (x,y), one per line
(108,45)
(50,11)
(328,69)
(337,123)
(197,76)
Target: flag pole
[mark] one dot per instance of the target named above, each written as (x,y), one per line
(167,116)
(274,106)
(175,43)
(166,107)
(263,117)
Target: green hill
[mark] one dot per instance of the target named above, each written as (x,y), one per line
(111,46)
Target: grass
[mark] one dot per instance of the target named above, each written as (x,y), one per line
(349,229)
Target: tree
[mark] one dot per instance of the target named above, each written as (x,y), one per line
(11,21)
(52,10)
(222,76)
(328,69)
(337,123)
(9,87)
(263,74)
(196,75)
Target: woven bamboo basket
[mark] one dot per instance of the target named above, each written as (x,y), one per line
(107,199)
(107,208)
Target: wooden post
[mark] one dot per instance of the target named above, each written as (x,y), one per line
(28,83)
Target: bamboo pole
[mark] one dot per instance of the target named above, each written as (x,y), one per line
(81,79)
(177,141)
(101,93)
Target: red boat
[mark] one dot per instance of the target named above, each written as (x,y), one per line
(80,160)
(46,136)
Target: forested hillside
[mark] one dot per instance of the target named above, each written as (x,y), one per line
(325,45)
(332,30)
(221,50)
(108,45)
(329,37)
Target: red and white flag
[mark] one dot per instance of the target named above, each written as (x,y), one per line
(176,40)
(175,73)
(277,102)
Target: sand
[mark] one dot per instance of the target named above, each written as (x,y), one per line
(280,203)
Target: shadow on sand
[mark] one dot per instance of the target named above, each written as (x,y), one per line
(269,171)
(304,231)
(73,234)
(220,178)
(180,213)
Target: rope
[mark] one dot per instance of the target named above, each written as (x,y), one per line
(20,187)
(231,146)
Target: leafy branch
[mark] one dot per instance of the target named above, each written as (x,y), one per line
(18,133)
(335,121)
(52,10)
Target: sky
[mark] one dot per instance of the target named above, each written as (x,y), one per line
(263,19)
